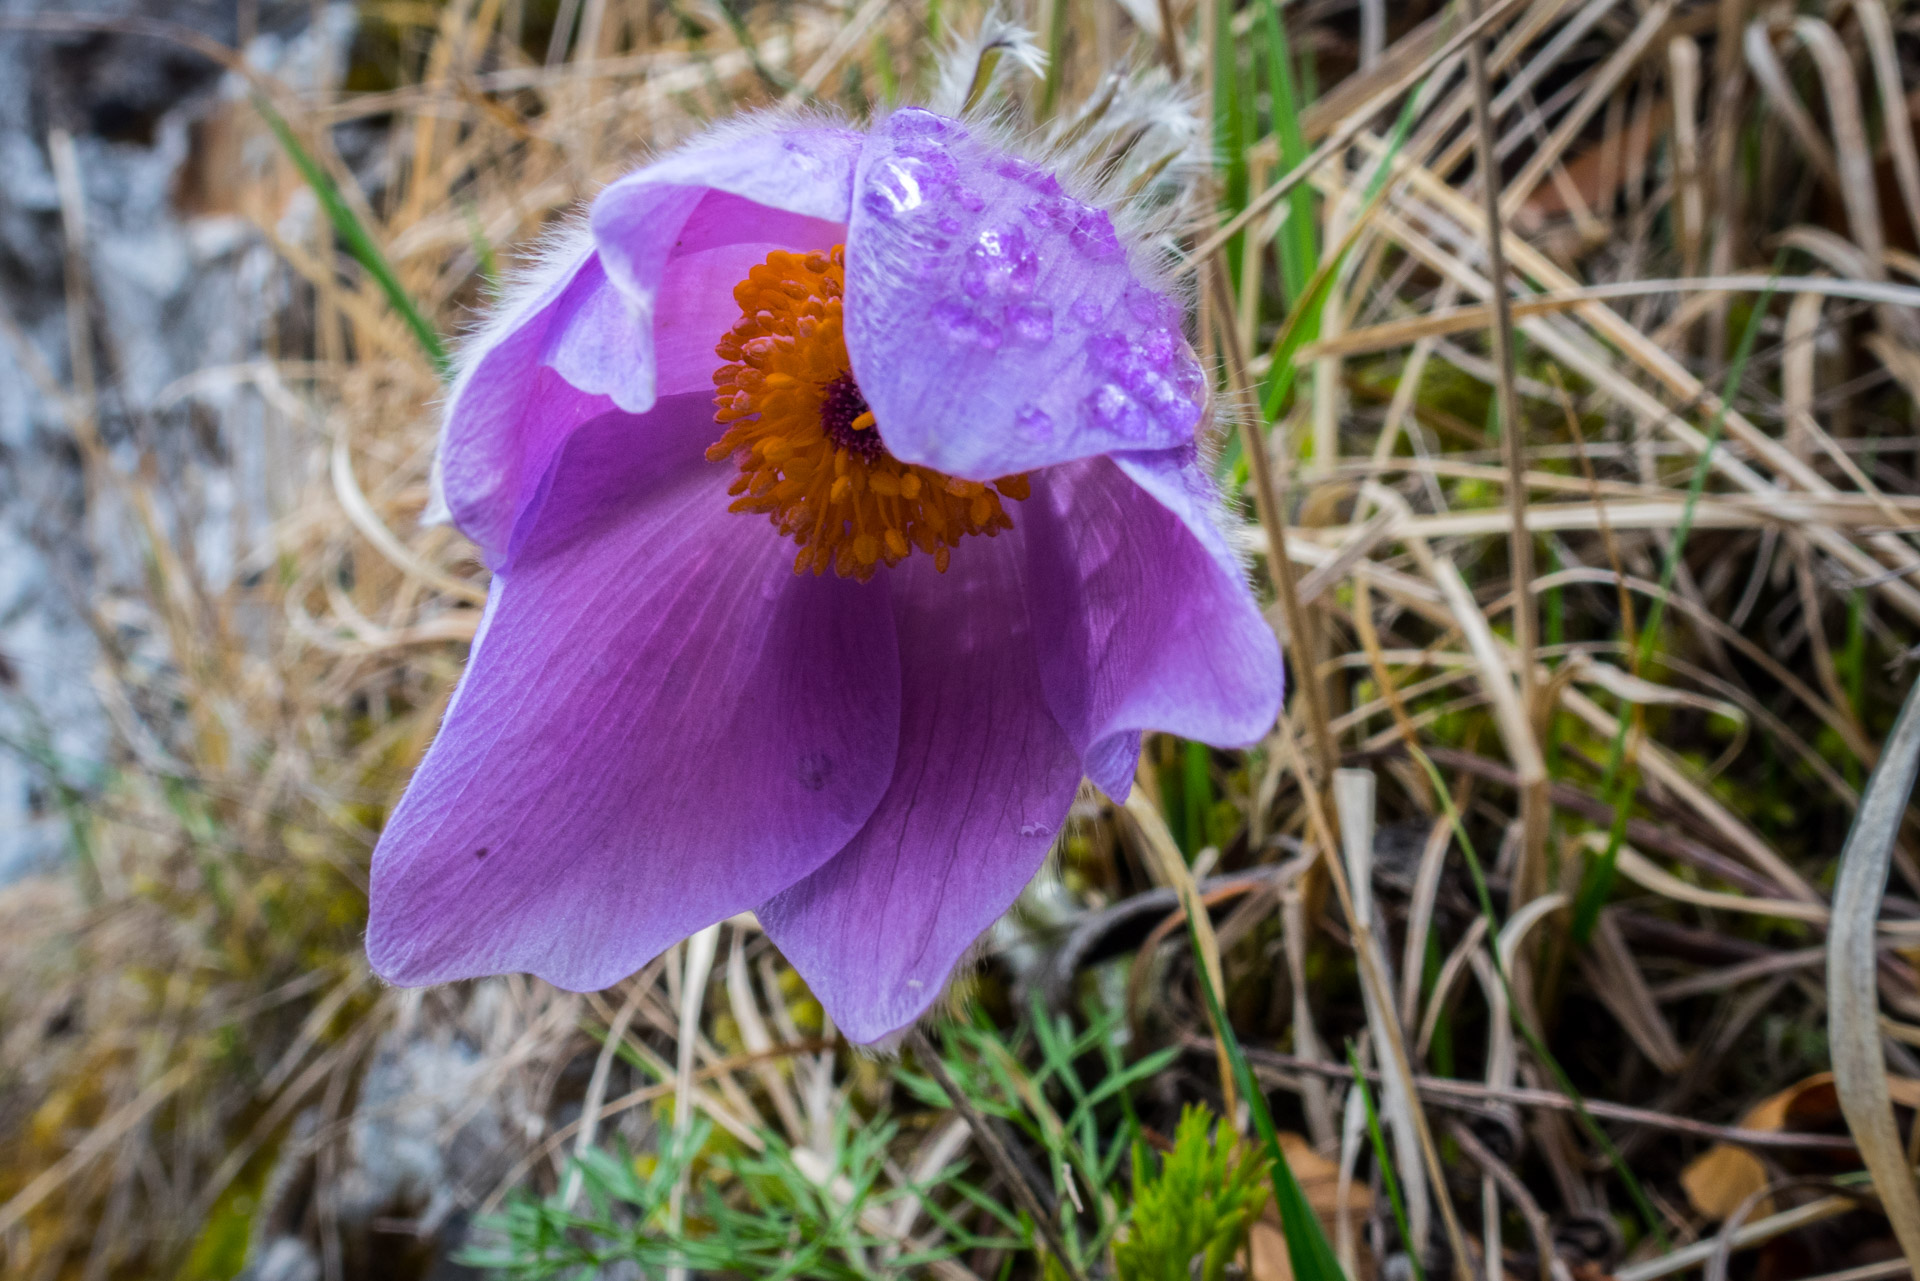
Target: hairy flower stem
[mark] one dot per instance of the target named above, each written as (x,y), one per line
(995,1151)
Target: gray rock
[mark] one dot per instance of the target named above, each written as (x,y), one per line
(176,292)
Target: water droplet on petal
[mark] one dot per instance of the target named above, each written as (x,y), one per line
(1032,322)
(1001,262)
(965,326)
(1089,310)
(1034,422)
(1036,829)
(1109,408)
(1158,346)
(1094,236)
(1051,212)
(1149,307)
(912,122)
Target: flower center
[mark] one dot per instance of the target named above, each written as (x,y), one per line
(805,442)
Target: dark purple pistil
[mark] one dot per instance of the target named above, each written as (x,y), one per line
(839,406)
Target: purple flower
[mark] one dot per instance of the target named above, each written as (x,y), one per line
(841,495)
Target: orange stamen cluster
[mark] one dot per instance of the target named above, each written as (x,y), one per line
(805,442)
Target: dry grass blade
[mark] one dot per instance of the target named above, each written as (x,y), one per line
(97,1143)
(1853,1020)
(1353,795)
(1523,325)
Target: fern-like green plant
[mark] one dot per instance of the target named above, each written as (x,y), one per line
(1200,1206)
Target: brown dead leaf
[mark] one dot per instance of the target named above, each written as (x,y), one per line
(1269,1250)
(1320,1182)
(1723,1176)
(1270,1262)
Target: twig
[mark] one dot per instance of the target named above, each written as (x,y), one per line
(995,1151)
(1266,501)
(1516,1191)
(1466,1093)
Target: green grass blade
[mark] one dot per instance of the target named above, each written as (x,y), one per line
(359,241)
(1299,251)
(1307,1246)
(1616,784)
(1230,129)
(1303,322)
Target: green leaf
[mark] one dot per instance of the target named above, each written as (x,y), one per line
(1298,248)
(1303,321)
(1199,1207)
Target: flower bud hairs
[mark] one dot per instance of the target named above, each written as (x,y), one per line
(843,492)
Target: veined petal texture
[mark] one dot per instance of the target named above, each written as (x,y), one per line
(629,311)
(661,726)
(983,782)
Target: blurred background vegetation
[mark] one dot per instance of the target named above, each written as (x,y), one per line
(1538,938)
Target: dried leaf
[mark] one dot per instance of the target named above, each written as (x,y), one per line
(1723,1176)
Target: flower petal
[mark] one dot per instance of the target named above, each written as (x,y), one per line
(663,726)
(1141,614)
(983,781)
(729,199)
(628,309)
(993,321)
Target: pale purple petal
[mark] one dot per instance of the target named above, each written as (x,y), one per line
(747,189)
(631,312)
(994,322)
(1141,615)
(511,410)
(983,781)
(664,726)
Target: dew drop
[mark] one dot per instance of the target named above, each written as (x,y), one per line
(1001,263)
(1050,212)
(1093,236)
(1146,306)
(1110,408)
(1034,421)
(912,122)
(1036,829)
(1089,310)
(965,326)
(1159,346)
(1032,322)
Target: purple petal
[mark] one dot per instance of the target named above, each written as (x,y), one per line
(663,726)
(993,321)
(983,781)
(631,311)
(1141,614)
(511,410)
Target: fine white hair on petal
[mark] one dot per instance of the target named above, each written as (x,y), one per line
(960,64)
(557,251)
(1138,148)
(549,258)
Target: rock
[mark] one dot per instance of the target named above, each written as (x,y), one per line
(178,287)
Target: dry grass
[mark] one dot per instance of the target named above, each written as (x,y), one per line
(188,1020)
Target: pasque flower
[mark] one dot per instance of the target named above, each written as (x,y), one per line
(842,499)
